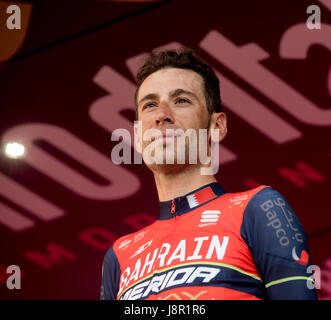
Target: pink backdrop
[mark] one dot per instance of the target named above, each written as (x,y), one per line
(71,84)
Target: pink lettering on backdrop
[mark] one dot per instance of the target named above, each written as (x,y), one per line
(326,3)
(106,111)
(135,62)
(55,254)
(296,42)
(122,183)
(300,174)
(256,114)
(27,199)
(14,220)
(245,60)
(97,238)
(242,104)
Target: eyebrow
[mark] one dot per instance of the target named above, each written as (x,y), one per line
(172,94)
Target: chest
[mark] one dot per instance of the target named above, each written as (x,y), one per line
(191,247)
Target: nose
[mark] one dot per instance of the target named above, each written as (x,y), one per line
(163,114)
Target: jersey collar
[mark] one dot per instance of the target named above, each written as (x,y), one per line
(194,199)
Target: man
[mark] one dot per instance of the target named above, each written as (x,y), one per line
(206,243)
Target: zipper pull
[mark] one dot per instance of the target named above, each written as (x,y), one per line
(173,207)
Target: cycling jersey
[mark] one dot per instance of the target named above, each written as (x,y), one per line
(211,244)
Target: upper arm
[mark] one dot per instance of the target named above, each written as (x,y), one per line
(110,276)
(279,247)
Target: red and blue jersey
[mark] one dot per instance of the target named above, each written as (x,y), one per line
(213,245)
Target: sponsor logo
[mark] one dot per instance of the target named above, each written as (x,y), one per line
(124,244)
(184,295)
(304,258)
(167,255)
(275,223)
(271,207)
(140,235)
(142,248)
(209,217)
(235,201)
(192,275)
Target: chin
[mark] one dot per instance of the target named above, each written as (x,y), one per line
(167,168)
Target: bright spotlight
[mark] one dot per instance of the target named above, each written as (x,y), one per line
(14,150)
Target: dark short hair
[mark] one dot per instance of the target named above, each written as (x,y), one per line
(184,58)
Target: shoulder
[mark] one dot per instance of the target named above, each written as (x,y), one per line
(243,198)
(265,198)
(269,215)
(128,241)
(265,204)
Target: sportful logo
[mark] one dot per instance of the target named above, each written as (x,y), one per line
(209,217)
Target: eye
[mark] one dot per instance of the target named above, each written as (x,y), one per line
(149,105)
(182,100)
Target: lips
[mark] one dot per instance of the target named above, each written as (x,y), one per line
(169,135)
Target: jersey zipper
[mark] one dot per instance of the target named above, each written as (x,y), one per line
(173,207)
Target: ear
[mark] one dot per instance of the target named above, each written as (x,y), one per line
(138,136)
(218,122)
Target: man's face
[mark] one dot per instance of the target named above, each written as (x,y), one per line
(171,98)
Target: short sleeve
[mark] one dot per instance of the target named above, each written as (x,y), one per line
(279,247)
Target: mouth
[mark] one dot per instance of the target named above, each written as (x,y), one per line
(168,136)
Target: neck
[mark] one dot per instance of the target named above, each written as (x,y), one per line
(175,184)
